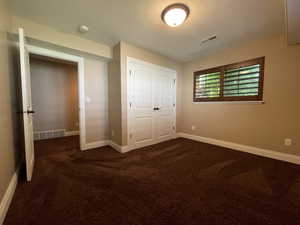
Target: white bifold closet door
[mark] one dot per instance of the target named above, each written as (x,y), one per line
(152,109)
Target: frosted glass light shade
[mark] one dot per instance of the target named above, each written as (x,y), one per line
(175,15)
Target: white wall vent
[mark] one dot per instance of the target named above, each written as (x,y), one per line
(49,134)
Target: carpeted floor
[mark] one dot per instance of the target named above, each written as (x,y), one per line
(179,182)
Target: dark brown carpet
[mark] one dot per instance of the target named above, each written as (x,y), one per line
(179,182)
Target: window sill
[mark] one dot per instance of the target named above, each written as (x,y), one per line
(233,102)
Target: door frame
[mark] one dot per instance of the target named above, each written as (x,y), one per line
(128,97)
(81,74)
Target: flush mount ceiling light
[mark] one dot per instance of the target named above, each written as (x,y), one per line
(174,15)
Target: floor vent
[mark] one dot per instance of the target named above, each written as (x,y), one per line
(49,134)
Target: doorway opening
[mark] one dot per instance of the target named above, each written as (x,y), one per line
(55,98)
(27,110)
(74,104)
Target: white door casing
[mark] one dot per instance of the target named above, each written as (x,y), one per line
(151,92)
(80,65)
(26,105)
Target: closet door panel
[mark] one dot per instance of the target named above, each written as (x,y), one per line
(142,129)
(164,125)
(165,114)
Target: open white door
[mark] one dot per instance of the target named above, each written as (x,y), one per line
(26,105)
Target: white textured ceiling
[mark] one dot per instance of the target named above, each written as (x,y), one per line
(138,22)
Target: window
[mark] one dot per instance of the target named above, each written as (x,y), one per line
(235,82)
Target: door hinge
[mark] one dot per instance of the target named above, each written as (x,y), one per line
(130,136)
(130,72)
(174,104)
(130,104)
(174,81)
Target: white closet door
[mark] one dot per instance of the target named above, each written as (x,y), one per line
(165,101)
(142,103)
(151,104)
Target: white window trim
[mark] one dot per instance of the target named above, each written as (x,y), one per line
(233,102)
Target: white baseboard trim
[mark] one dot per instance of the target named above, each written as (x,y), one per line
(245,148)
(117,147)
(7,198)
(96,144)
(72,133)
(127,148)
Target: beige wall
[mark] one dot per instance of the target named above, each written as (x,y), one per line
(9,151)
(260,125)
(115,110)
(129,50)
(96,110)
(44,33)
(54,87)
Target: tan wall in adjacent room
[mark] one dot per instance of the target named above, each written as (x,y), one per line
(54,87)
(260,125)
